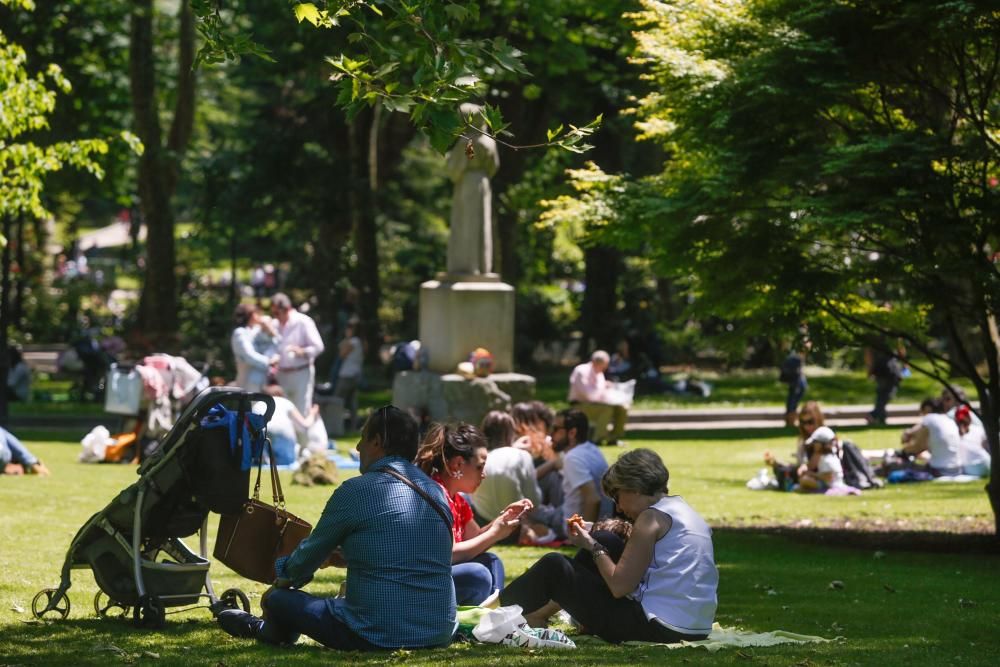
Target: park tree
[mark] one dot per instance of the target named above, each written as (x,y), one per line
(26,102)
(159,165)
(832,163)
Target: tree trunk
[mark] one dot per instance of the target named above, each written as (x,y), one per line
(17,303)
(600,300)
(363,133)
(158,168)
(4,319)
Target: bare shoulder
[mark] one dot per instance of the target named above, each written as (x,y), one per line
(653,522)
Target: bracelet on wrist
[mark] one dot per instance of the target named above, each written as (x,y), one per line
(598,552)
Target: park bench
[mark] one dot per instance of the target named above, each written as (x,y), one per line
(44,357)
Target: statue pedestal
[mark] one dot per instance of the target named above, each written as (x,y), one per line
(451,397)
(460,313)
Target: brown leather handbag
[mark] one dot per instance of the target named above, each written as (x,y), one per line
(250,540)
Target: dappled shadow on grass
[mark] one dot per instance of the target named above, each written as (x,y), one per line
(868,535)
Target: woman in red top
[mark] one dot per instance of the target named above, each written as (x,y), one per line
(455,456)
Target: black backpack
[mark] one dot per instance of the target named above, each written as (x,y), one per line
(857,471)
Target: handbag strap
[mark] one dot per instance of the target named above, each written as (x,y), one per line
(276,492)
(423,494)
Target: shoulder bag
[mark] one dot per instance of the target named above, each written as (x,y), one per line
(249,541)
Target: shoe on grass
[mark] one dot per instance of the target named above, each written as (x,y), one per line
(239,623)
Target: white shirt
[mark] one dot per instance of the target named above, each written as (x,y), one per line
(350,366)
(586,385)
(971,450)
(582,464)
(943,440)
(831,463)
(510,476)
(680,587)
(299,329)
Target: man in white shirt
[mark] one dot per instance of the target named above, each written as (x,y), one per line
(588,391)
(297,352)
(582,468)
(938,434)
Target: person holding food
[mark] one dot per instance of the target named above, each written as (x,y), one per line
(664,586)
(454,456)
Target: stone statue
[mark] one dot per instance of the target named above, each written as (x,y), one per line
(471,163)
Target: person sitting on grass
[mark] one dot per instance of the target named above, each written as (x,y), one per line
(582,467)
(810,419)
(454,456)
(16,459)
(938,435)
(824,471)
(395,543)
(973,450)
(662,588)
(510,472)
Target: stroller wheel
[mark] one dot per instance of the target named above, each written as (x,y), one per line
(105,607)
(234,598)
(46,601)
(149,613)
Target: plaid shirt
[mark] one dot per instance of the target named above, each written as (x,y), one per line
(398,550)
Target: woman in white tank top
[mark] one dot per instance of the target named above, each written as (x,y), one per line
(662,588)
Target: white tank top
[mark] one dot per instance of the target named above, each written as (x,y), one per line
(679,588)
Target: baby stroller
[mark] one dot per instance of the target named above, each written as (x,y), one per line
(134,544)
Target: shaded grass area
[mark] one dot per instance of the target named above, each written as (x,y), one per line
(895,607)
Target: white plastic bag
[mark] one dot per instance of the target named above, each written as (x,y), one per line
(95,444)
(506,626)
(620,393)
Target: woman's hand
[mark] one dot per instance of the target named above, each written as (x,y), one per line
(578,535)
(516,509)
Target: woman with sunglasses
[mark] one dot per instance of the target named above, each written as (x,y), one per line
(810,419)
(663,587)
(454,456)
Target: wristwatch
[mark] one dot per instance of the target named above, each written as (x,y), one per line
(598,552)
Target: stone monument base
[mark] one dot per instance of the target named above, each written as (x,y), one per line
(459,314)
(451,397)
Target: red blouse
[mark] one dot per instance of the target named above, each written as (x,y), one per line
(461,512)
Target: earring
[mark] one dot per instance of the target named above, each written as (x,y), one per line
(456,474)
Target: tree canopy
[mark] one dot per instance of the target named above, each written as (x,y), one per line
(829,163)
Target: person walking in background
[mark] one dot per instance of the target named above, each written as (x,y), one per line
(887,369)
(588,391)
(793,374)
(255,347)
(300,345)
(352,355)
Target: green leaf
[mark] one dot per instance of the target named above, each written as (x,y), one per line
(456,12)
(307,11)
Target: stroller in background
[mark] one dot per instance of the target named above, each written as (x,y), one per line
(148,396)
(134,544)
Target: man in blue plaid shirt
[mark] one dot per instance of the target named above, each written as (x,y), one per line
(395,545)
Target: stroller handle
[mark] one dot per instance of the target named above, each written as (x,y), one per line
(212,396)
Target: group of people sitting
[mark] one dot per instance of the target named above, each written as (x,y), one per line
(948,441)
(415,528)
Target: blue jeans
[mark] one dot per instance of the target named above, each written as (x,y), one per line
(796,390)
(476,579)
(289,613)
(13,450)
(885,389)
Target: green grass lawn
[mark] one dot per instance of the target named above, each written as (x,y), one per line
(895,607)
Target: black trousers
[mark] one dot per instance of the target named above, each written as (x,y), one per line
(576,586)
